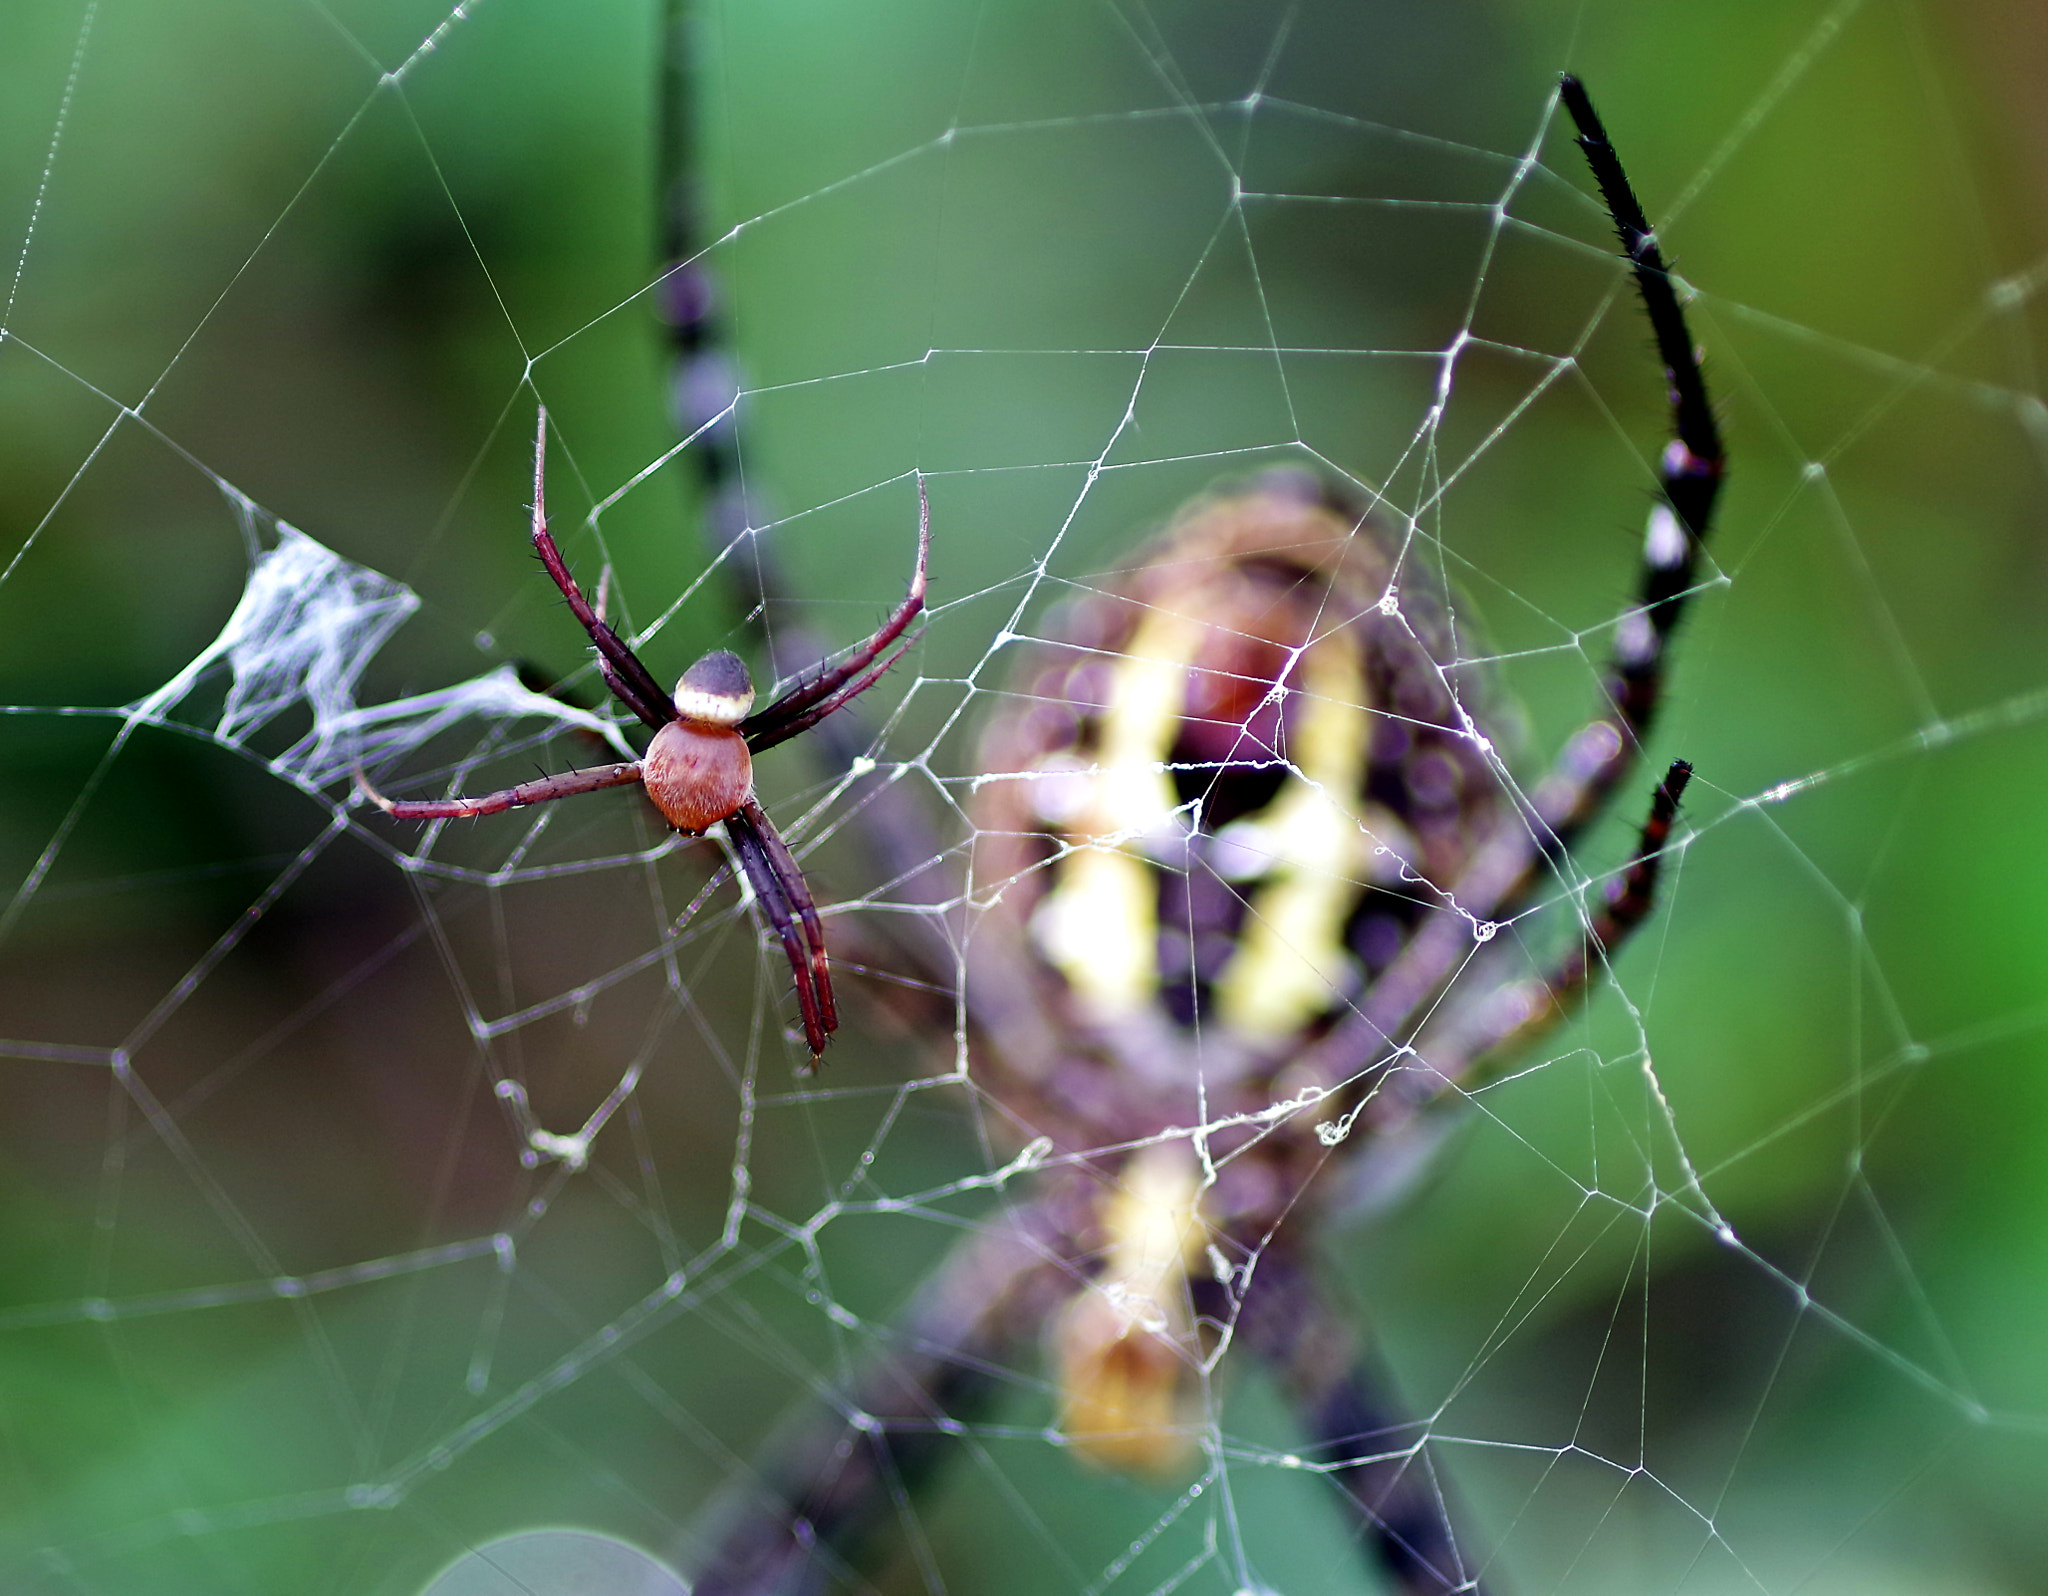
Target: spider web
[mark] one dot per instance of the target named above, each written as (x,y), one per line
(392,1210)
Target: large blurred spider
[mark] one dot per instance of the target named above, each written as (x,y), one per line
(699,769)
(1245,849)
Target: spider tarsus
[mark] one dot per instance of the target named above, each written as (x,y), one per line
(924,541)
(1693,414)
(363,786)
(540,468)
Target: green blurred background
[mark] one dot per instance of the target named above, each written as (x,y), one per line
(964,236)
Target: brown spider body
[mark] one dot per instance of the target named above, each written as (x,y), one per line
(697,773)
(698,770)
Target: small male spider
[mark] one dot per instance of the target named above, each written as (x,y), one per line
(699,768)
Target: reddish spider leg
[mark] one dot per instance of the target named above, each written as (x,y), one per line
(779,887)
(1575,791)
(643,697)
(824,689)
(630,681)
(545,790)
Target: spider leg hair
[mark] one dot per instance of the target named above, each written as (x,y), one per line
(1453,1049)
(778,883)
(545,790)
(1379,1462)
(632,683)
(816,695)
(1594,760)
(830,1487)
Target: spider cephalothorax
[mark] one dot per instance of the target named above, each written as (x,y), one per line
(698,770)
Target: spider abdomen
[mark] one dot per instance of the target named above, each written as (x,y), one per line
(1237,777)
(697,774)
